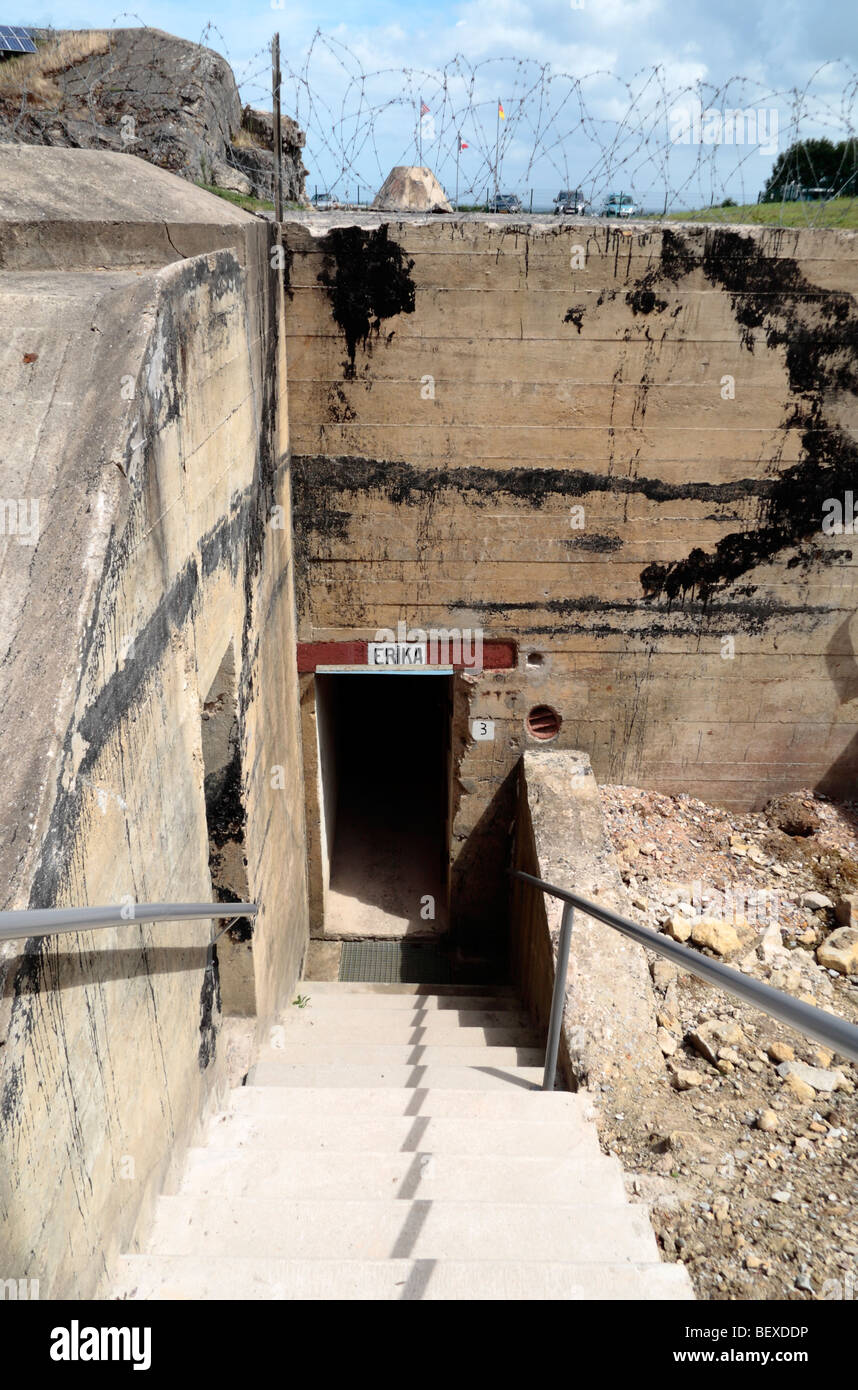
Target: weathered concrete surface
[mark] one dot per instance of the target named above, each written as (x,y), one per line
(411,188)
(142,412)
(530,428)
(609,1027)
(540,369)
(113,211)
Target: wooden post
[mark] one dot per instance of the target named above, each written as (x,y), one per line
(275,93)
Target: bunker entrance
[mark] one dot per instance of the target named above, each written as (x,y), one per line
(384,754)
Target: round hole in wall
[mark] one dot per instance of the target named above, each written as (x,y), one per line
(543,723)
(535,659)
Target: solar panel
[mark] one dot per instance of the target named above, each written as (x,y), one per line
(15,39)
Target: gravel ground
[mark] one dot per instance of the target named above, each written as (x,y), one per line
(746,1149)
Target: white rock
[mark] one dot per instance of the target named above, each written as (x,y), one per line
(678,927)
(770,946)
(839,951)
(685,1079)
(815,901)
(817,1077)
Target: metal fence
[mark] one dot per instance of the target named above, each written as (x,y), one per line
(502,124)
(807,1019)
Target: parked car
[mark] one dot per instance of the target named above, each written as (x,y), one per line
(323,202)
(571,202)
(505,202)
(620,205)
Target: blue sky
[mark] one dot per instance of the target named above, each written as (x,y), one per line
(636,62)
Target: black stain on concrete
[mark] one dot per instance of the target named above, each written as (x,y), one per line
(239,536)
(812,555)
(320,479)
(217,278)
(98,723)
(818,332)
(340,409)
(226,820)
(26,977)
(675,261)
(287,255)
(368,279)
(314,514)
(598,544)
(262,498)
(677,258)
(630,619)
(224,807)
(325,489)
(209,1010)
(644,300)
(575,315)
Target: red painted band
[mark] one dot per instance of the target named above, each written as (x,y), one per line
(497,656)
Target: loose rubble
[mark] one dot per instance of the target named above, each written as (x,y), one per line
(746,1153)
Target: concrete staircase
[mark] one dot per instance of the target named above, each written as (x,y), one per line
(390,1143)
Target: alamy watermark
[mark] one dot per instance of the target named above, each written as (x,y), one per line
(20,518)
(839,518)
(15,1290)
(434,646)
(833,1290)
(754,905)
(698,125)
(77,1343)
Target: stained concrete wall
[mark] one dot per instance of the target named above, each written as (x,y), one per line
(608,1038)
(145,414)
(459,387)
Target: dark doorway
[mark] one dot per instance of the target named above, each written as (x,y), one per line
(384,751)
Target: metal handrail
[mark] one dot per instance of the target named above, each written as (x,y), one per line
(834,1032)
(56,920)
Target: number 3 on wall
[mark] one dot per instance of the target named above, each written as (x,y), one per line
(482,730)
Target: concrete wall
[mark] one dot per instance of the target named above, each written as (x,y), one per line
(148,421)
(327,776)
(459,387)
(608,1039)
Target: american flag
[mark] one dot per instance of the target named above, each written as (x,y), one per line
(424,109)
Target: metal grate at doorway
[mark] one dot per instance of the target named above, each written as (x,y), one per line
(394,962)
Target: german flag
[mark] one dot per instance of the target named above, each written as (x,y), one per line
(501,112)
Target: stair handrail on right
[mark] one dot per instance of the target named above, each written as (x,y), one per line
(824,1027)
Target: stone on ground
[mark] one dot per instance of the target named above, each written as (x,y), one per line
(411,188)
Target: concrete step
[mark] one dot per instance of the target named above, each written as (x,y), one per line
(400,1003)
(405,1134)
(281,1174)
(488,1076)
(327,1013)
(403,1029)
(510,1103)
(582,1234)
(451,1054)
(403,1280)
(342,987)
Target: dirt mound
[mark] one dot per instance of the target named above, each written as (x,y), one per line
(743,1148)
(794,815)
